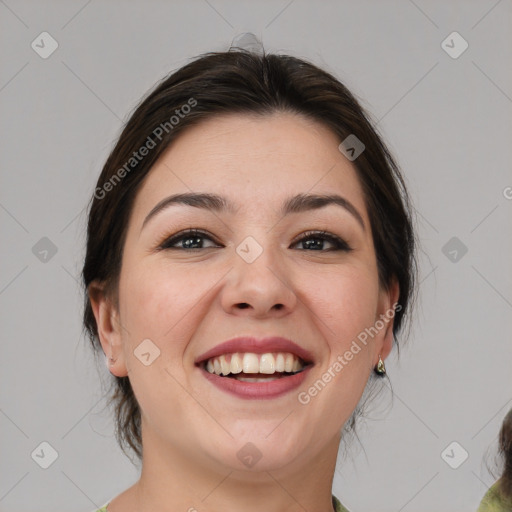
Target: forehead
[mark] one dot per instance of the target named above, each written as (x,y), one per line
(255,161)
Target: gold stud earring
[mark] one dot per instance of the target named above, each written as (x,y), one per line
(380,369)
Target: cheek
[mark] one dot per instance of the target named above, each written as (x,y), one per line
(346,300)
(157,302)
(344,304)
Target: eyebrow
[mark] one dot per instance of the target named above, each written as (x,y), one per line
(295,204)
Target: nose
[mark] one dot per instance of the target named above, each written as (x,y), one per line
(259,289)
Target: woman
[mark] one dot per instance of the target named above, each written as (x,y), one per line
(499,496)
(250,259)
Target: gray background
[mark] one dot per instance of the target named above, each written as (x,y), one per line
(447,120)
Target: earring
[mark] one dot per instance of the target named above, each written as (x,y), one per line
(380,369)
(111,360)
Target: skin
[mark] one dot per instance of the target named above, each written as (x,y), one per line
(188,301)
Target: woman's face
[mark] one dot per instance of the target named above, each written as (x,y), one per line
(253,271)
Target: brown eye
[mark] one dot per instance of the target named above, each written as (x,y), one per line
(315,240)
(188,240)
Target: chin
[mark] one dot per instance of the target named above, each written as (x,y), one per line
(261,451)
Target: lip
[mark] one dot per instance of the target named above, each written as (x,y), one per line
(256,346)
(257,390)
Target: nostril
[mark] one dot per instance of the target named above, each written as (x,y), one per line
(243,305)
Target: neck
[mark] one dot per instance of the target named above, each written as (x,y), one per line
(174,480)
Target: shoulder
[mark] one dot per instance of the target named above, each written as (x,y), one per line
(493,501)
(102,509)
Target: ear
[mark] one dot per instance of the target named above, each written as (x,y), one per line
(109,328)
(388,298)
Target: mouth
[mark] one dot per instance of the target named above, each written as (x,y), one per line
(251,367)
(256,369)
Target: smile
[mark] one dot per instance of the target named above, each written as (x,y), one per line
(251,367)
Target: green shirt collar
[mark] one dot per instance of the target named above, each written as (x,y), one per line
(338,507)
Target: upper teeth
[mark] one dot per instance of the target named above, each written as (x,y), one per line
(254,363)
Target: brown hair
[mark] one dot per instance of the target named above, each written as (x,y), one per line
(255,84)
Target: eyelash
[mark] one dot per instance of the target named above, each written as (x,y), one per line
(339,244)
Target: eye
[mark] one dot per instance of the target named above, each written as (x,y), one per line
(315,240)
(190,239)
